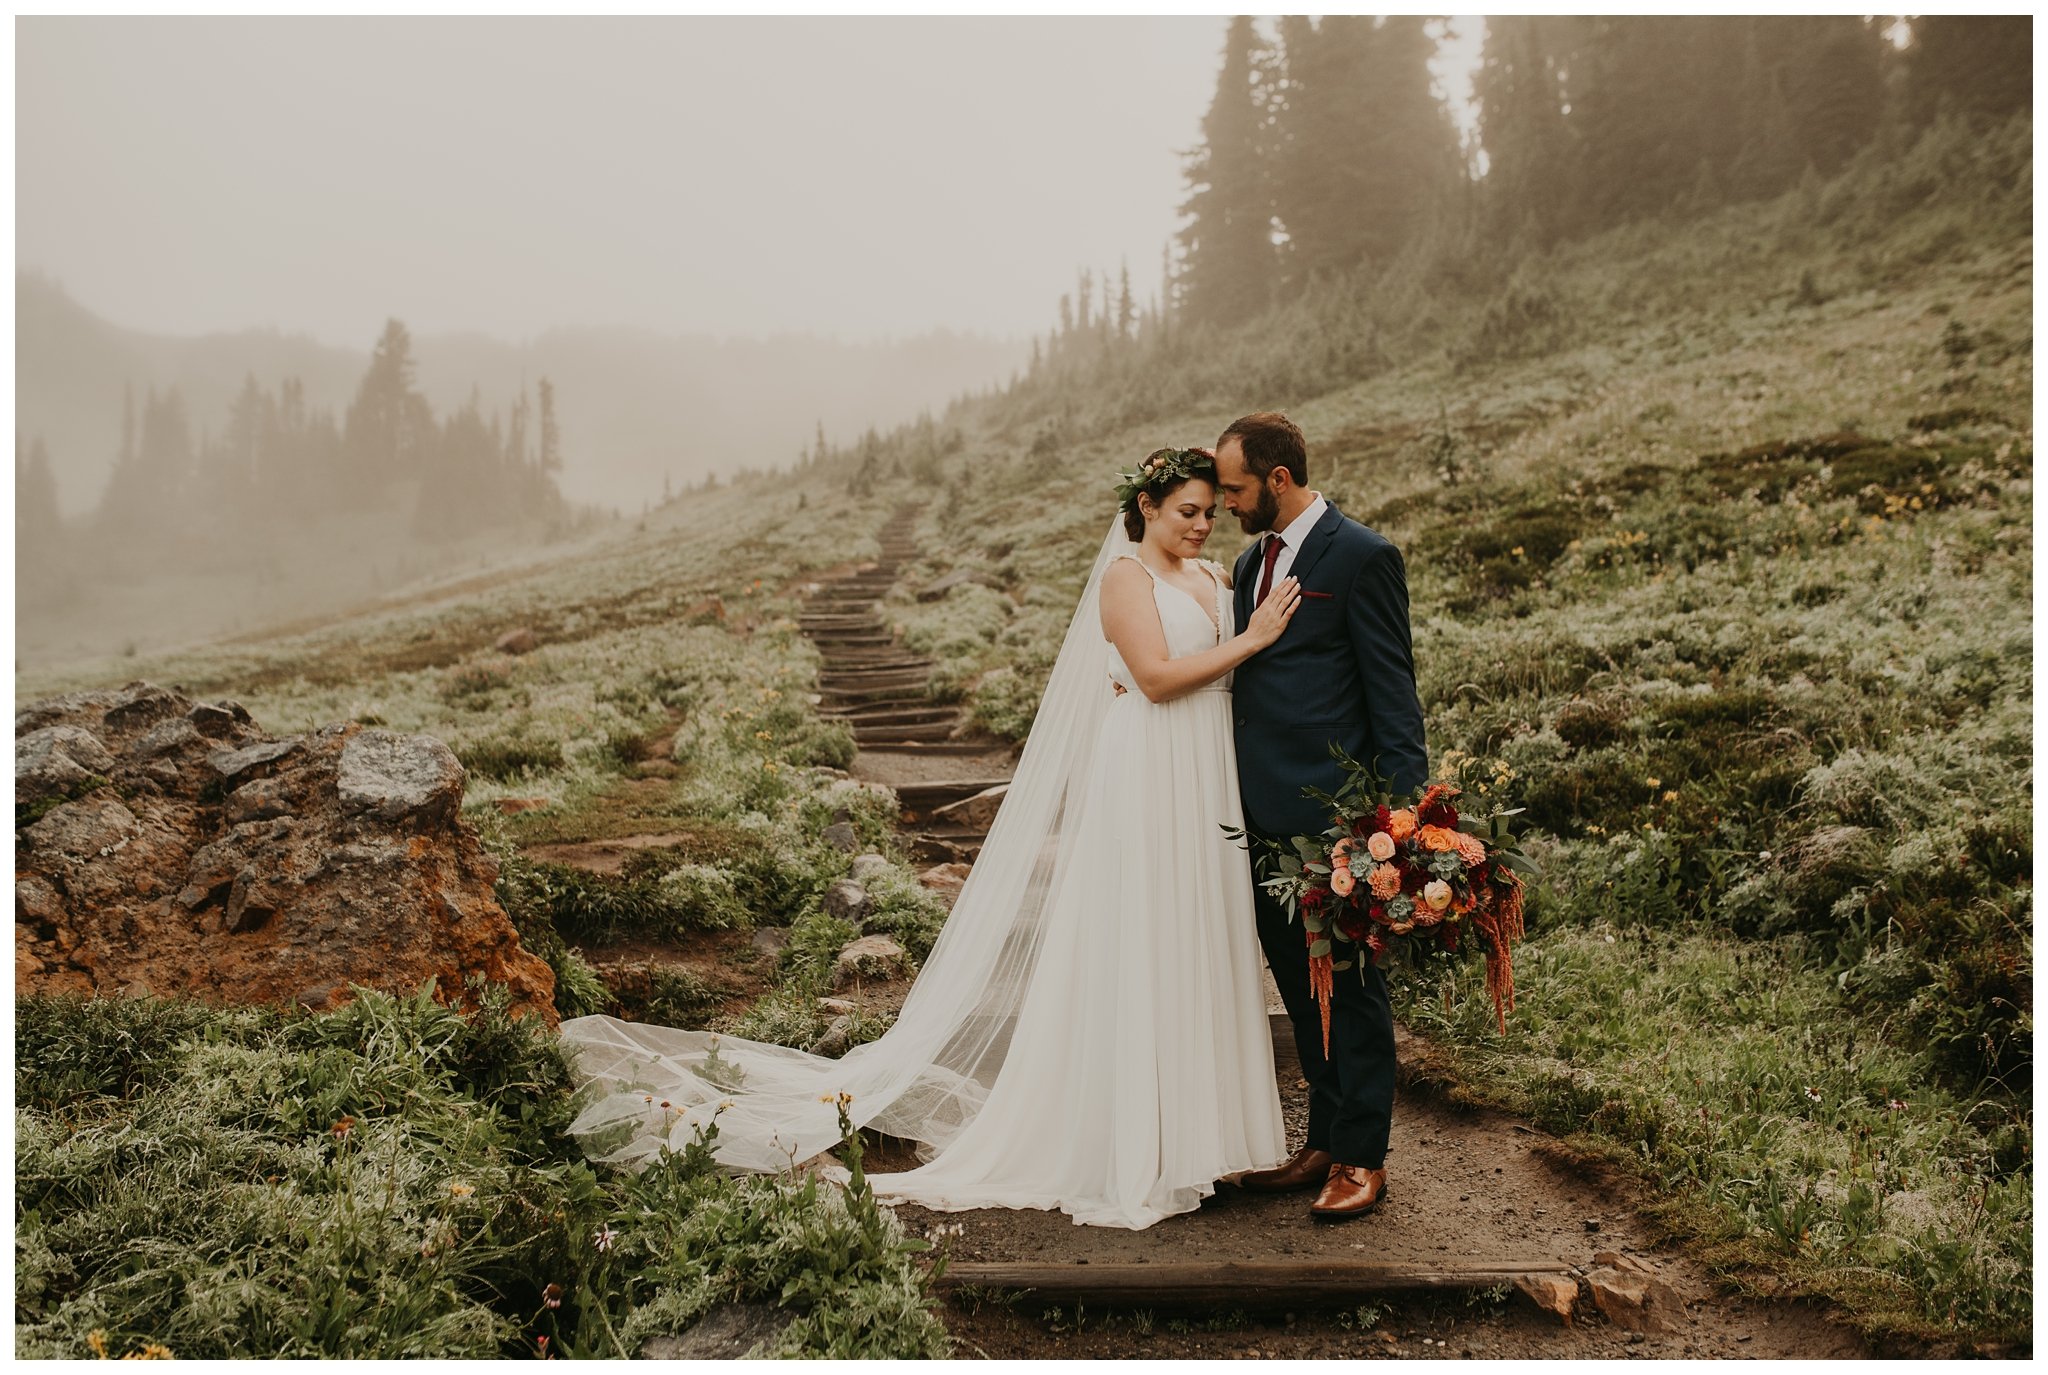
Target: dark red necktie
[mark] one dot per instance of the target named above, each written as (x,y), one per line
(1274,544)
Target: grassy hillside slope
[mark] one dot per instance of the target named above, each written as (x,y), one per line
(1720,550)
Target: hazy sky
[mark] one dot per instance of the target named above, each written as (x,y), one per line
(858,177)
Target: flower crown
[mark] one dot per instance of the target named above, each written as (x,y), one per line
(1161,467)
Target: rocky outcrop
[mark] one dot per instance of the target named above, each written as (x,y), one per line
(169,846)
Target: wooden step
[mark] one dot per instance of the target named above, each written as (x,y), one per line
(905,711)
(1237,1283)
(865,736)
(841,625)
(869,666)
(913,682)
(946,847)
(863,711)
(934,747)
(923,797)
(909,688)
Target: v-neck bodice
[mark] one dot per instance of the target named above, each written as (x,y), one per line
(1188,628)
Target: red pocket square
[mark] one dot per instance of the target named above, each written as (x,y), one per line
(1325,596)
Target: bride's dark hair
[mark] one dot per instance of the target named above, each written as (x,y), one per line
(1175,467)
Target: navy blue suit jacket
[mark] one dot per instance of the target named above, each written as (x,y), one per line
(1343,671)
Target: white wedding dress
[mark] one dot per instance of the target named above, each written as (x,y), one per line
(1088,1034)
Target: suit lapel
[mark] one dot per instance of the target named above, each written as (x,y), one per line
(1319,540)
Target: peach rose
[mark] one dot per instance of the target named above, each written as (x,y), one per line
(1380,846)
(1340,854)
(1437,894)
(1386,881)
(1341,881)
(1401,824)
(1439,838)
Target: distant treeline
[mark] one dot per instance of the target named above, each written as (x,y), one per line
(1326,149)
(1327,154)
(1337,223)
(280,463)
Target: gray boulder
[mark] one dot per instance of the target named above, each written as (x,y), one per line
(392,777)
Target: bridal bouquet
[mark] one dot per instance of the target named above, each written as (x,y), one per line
(1393,868)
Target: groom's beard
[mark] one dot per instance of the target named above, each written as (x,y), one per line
(1263,514)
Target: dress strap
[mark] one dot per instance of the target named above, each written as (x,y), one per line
(1140,562)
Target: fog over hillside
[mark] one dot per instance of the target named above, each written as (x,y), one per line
(639,409)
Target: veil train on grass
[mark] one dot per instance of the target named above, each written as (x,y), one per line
(928,1075)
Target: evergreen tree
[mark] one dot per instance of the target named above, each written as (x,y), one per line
(37,524)
(151,481)
(1980,66)
(1519,89)
(1369,154)
(1126,309)
(1655,103)
(1227,269)
(550,433)
(389,426)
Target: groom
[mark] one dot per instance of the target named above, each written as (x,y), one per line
(1343,672)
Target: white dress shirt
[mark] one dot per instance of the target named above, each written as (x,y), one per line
(1290,539)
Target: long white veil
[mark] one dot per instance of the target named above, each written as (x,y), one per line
(928,1076)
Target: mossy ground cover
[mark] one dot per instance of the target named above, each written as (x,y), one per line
(392,1180)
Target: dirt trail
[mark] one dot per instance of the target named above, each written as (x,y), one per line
(1467,1188)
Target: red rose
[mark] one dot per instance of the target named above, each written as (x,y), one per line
(1378,912)
(1351,927)
(1413,877)
(1313,899)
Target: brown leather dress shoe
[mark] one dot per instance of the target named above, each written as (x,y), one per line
(1351,1191)
(1305,1169)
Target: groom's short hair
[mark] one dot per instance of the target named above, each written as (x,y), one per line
(1270,440)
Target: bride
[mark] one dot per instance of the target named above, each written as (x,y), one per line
(1089,1032)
